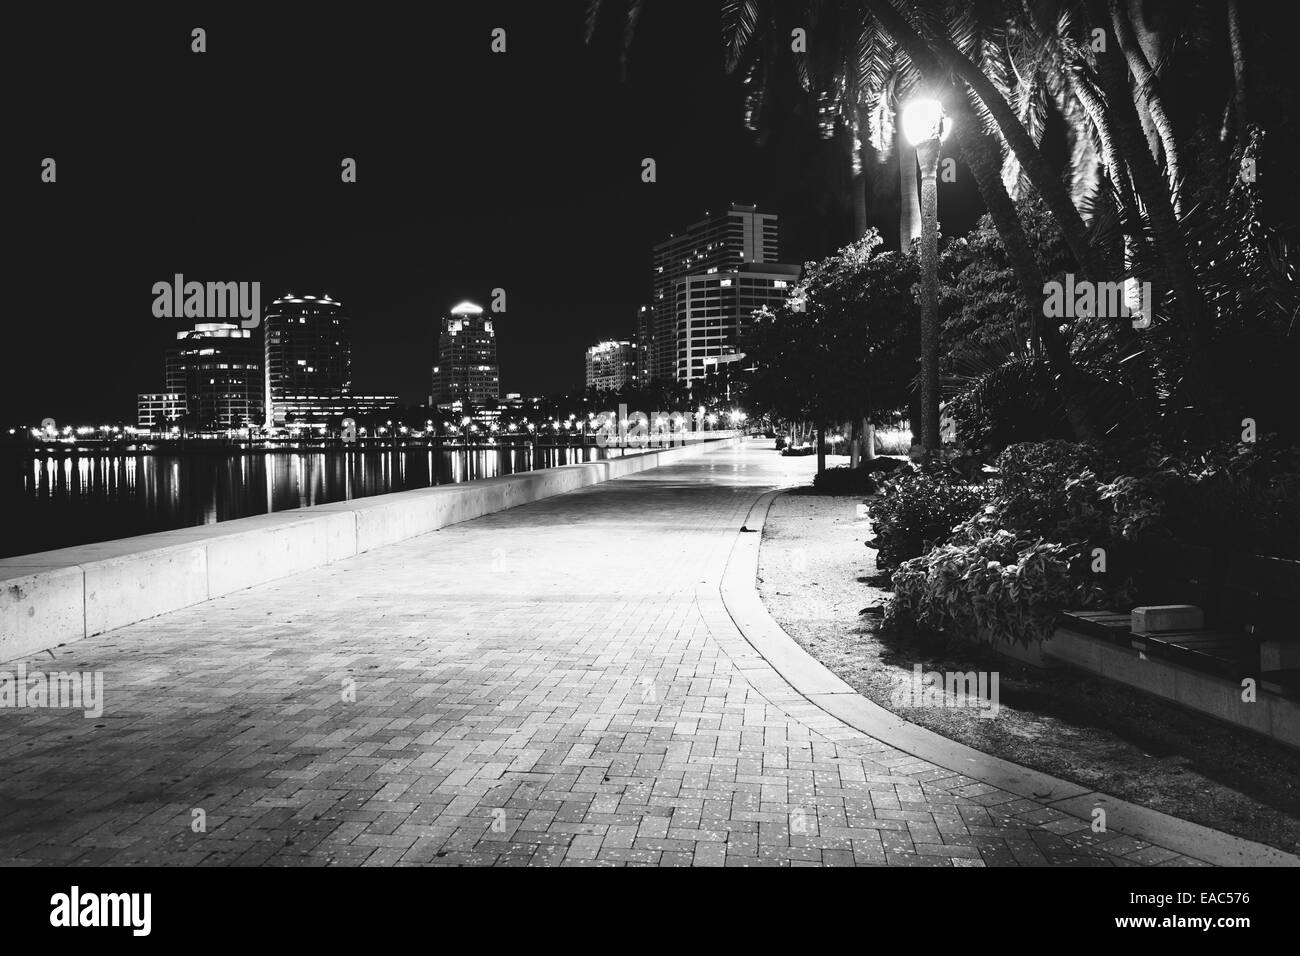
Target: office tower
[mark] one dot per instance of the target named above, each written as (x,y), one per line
(308,365)
(466,369)
(712,313)
(738,238)
(216,368)
(611,365)
(643,339)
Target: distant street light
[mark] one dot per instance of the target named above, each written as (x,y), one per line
(925,127)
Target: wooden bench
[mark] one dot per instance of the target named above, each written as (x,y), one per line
(1261,596)
(1249,602)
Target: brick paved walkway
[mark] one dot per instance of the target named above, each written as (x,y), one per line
(559,683)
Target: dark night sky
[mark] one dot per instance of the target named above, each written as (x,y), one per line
(476,171)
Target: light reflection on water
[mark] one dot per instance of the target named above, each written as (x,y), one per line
(57,501)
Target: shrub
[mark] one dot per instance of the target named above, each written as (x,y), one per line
(1007,572)
(917,510)
(1235,497)
(995,587)
(1015,402)
(884,464)
(1015,563)
(1049,490)
(846,481)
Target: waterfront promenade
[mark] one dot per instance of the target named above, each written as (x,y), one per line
(559,683)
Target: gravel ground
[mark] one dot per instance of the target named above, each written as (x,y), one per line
(813,578)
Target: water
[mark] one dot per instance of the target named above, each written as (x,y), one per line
(65,499)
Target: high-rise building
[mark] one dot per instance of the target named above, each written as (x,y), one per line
(643,339)
(713,311)
(466,368)
(308,364)
(611,365)
(216,368)
(739,245)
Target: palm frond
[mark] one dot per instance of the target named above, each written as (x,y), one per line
(740,19)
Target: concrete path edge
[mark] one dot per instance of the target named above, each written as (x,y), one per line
(812,680)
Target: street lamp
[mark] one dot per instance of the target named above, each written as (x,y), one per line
(925,127)
(464,428)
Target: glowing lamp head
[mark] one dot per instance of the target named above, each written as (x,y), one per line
(924,120)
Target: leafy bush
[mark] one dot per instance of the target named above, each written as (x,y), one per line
(1049,490)
(1017,561)
(917,510)
(884,464)
(994,587)
(1243,497)
(846,481)
(1240,514)
(1014,401)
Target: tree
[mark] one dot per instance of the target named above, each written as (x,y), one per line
(1107,74)
(843,347)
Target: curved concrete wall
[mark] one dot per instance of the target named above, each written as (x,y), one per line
(54,597)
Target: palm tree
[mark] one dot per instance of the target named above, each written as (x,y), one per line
(1152,99)
(1003,66)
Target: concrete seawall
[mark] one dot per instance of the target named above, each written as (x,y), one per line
(55,597)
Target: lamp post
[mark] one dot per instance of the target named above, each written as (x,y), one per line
(464,424)
(925,127)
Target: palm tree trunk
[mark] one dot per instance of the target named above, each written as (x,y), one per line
(930,439)
(858,189)
(980,154)
(1149,93)
(1116,170)
(1238,43)
(1083,85)
(1127,132)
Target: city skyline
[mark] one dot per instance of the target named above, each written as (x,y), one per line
(708,279)
(678,340)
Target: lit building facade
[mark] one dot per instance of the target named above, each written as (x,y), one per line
(712,313)
(159,411)
(327,410)
(217,369)
(611,365)
(643,339)
(738,237)
(466,368)
(308,360)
